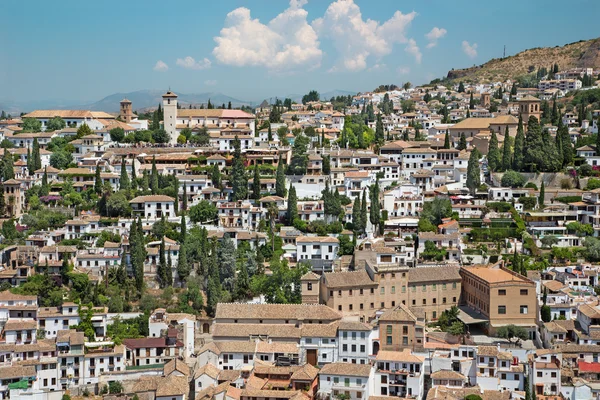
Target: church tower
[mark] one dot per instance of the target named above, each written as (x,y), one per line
(529,106)
(169,105)
(126,113)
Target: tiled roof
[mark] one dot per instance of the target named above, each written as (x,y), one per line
(350,279)
(433,274)
(346,369)
(405,355)
(275,311)
(152,198)
(447,374)
(400,313)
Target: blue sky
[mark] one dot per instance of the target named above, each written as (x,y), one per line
(82,50)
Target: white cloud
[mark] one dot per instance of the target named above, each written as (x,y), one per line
(412,48)
(435,35)
(189,63)
(160,66)
(286,42)
(210,82)
(357,39)
(469,49)
(378,67)
(403,70)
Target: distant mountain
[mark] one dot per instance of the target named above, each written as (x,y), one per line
(585,53)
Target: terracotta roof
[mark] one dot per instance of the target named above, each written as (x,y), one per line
(68,114)
(346,369)
(321,239)
(176,365)
(207,369)
(447,374)
(157,342)
(277,347)
(350,279)
(400,313)
(275,311)
(246,330)
(405,355)
(152,198)
(433,274)
(14,372)
(16,325)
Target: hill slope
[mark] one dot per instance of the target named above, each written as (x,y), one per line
(585,53)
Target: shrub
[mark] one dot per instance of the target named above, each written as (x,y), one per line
(593,183)
(531,185)
(566,183)
(513,179)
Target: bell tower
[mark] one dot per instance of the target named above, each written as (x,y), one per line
(529,106)
(126,114)
(169,105)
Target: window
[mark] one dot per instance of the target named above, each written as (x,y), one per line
(336,379)
(501,309)
(393,289)
(453,285)
(523,309)
(403,289)
(524,292)
(389,329)
(344,347)
(501,292)
(424,287)
(382,290)
(424,302)
(404,340)
(539,374)
(553,374)
(444,300)
(443,286)
(405,330)
(389,340)
(309,286)
(434,287)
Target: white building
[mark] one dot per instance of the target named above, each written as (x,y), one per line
(319,251)
(399,374)
(153,206)
(352,380)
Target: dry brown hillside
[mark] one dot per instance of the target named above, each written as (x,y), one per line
(585,53)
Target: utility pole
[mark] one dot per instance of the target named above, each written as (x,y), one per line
(504,55)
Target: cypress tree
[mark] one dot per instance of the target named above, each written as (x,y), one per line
(256,184)
(494,159)
(169,271)
(363,212)
(184,201)
(30,167)
(518,155)
(541,199)
(124,183)
(471,102)
(35,155)
(154,177)
(134,182)
(97,181)
(239,183)
(473,172)
(183,269)
(292,206)
(216,176)
(447,141)
(356,222)
(45,180)
(8,166)
(280,179)
(161,272)
(506,154)
(183,229)
(565,142)
(379,135)
(462,143)
(375,212)
(145,181)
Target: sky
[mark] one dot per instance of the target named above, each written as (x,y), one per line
(82,51)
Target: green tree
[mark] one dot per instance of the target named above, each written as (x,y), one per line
(494,160)
(117,134)
(124,183)
(256,184)
(542,196)
(203,212)
(97,181)
(183,267)
(8,167)
(280,179)
(462,143)
(461,87)
(31,125)
(61,159)
(83,130)
(375,210)
(510,332)
(473,172)
(326,164)
(364,216)
(546,313)
(356,217)
(518,154)
(512,179)
(239,182)
(565,142)
(161,272)
(35,155)
(216,176)
(154,177)
(436,210)
(160,136)
(292,206)
(506,153)
(447,141)
(379,133)
(471,102)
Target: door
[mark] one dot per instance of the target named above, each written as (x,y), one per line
(311,356)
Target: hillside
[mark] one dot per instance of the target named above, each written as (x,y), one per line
(585,53)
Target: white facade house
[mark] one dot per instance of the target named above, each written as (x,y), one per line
(351,380)
(153,207)
(399,374)
(160,320)
(319,251)
(354,342)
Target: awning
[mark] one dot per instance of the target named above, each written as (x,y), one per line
(22,384)
(469,316)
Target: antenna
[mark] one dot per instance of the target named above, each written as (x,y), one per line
(504,55)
